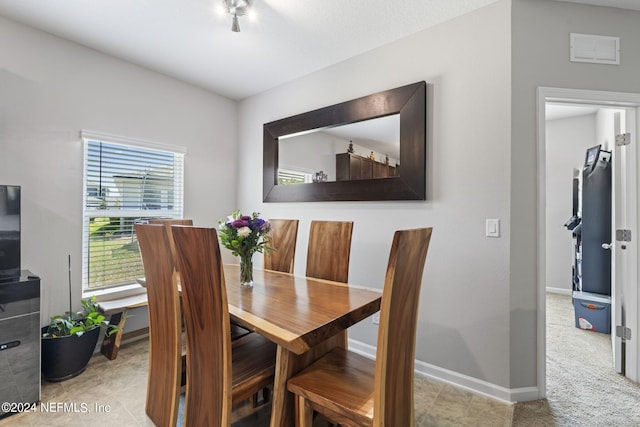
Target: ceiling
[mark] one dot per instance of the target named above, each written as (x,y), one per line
(191,40)
(555,111)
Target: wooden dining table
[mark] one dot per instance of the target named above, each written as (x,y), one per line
(305,317)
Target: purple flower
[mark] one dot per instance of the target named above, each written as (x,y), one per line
(239,223)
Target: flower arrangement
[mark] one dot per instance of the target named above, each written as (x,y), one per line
(242,233)
(245,235)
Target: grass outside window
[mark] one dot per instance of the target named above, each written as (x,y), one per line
(114,255)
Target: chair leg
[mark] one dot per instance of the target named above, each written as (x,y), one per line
(266,396)
(304,412)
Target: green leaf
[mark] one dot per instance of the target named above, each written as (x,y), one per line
(78,330)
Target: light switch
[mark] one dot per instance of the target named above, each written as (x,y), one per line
(492,228)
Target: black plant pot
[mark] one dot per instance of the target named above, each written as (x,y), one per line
(67,357)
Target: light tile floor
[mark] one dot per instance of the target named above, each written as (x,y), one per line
(113,393)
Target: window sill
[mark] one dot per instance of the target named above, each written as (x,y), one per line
(115,293)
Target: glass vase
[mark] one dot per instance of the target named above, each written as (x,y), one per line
(246,271)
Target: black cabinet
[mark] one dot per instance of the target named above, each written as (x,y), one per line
(19,341)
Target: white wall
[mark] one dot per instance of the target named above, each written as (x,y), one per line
(566,143)
(464,307)
(606,127)
(50,89)
(540,57)
(311,152)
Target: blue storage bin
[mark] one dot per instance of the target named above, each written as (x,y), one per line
(592,311)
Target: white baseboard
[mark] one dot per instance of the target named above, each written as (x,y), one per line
(561,291)
(459,380)
(362,349)
(464,381)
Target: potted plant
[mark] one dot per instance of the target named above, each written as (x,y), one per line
(70,339)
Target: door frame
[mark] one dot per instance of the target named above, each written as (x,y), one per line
(625,264)
(570,96)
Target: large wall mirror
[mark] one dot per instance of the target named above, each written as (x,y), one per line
(370,148)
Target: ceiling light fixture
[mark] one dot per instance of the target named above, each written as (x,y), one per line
(236,8)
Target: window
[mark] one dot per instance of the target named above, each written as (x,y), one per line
(290,176)
(125,182)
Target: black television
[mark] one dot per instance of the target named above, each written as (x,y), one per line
(9,232)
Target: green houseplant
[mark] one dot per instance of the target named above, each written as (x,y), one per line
(86,320)
(70,339)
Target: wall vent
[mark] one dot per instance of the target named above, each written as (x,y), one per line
(594,49)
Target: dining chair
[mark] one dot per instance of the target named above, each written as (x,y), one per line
(220,374)
(283,235)
(168,223)
(166,357)
(350,389)
(329,249)
(237,331)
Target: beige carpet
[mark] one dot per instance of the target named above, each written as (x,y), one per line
(582,386)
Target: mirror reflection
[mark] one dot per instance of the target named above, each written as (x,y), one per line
(405,106)
(368,149)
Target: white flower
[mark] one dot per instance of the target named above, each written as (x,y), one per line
(244,231)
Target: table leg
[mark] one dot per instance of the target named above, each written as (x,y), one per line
(282,404)
(287,365)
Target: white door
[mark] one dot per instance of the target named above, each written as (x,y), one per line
(625,247)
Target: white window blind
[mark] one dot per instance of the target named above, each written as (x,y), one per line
(290,176)
(124,184)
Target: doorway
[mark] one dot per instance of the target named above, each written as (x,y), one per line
(572,102)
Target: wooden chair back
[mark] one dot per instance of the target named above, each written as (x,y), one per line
(283,235)
(393,387)
(329,250)
(165,342)
(206,318)
(350,389)
(168,223)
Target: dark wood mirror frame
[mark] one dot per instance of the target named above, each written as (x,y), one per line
(408,101)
